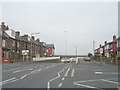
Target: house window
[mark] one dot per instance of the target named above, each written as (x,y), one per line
(3,44)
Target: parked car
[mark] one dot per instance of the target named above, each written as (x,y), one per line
(87,59)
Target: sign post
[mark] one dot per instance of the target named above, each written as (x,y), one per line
(25,53)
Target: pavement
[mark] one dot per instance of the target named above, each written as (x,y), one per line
(85,74)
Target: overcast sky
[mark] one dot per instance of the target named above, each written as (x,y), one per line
(84,22)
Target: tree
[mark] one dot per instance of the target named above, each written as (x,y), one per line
(89,54)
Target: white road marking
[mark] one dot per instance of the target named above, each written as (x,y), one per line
(19,68)
(66,74)
(60,85)
(15,69)
(110,81)
(9,80)
(22,70)
(48,85)
(72,73)
(63,78)
(98,73)
(23,76)
(87,86)
(88,81)
(14,80)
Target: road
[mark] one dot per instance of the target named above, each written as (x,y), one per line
(60,75)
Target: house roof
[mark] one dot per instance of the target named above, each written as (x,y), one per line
(5,35)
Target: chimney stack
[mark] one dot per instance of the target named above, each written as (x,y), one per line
(3,27)
(38,40)
(17,33)
(114,38)
(105,42)
(33,38)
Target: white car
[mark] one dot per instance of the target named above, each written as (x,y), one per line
(87,59)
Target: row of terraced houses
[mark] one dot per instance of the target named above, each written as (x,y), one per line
(13,44)
(109,50)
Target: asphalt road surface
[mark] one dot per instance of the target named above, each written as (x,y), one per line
(60,75)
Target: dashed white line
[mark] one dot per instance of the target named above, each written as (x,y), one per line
(60,85)
(63,78)
(98,73)
(23,76)
(72,73)
(66,74)
(48,85)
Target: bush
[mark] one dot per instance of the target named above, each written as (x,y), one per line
(118,57)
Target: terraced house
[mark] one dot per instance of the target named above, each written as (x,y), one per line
(109,49)
(13,44)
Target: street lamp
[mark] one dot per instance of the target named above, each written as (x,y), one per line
(31,42)
(93,47)
(75,50)
(65,43)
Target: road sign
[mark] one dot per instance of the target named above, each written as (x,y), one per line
(25,52)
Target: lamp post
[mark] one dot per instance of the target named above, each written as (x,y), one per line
(0,44)
(75,50)
(31,43)
(65,44)
(94,48)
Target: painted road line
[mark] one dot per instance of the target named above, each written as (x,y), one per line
(58,75)
(110,81)
(48,85)
(66,74)
(15,69)
(60,85)
(87,81)
(63,78)
(8,81)
(98,73)
(14,80)
(72,73)
(110,73)
(22,70)
(23,76)
(86,86)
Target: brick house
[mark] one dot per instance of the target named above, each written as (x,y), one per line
(50,50)
(118,46)
(43,49)
(13,44)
